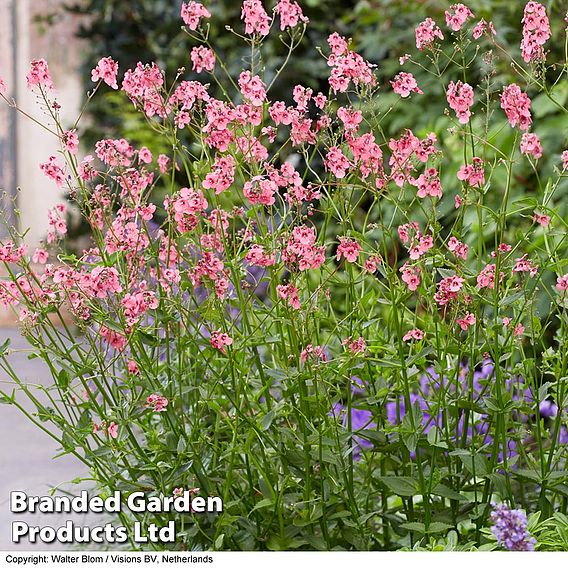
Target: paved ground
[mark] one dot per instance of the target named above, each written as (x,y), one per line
(26,462)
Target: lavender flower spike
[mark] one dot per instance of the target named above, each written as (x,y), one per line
(510,528)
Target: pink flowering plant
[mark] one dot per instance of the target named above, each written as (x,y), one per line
(319,323)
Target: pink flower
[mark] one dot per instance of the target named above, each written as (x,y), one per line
(255,17)
(348,248)
(106,70)
(371,264)
(40,256)
(426,32)
(71,141)
(192,12)
(543,220)
(356,345)
(112,430)
(163,163)
(302,251)
(481,28)
(410,276)
(220,340)
(132,367)
(530,145)
(202,58)
(458,248)
(290,293)
(86,170)
(144,155)
(473,173)
(404,84)
(416,334)
(525,265)
(506,321)
(39,75)
(260,191)
(458,201)
(315,351)
(457,16)
(536,32)
(429,184)
(221,175)
(565,160)
(257,256)
(486,278)
(519,330)
(562,283)
(53,170)
(448,289)
(347,66)
(252,88)
(157,403)
(337,163)
(517,106)
(350,118)
(466,321)
(290,14)
(460,99)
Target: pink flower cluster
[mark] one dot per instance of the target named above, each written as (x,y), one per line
(416,334)
(474,173)
(38,75)
(459,249)
(157,403)
(53,170)
(255,17)
(290,14)
(536,32)
(416,243)
(429,183)
(530,145)
(192,12)
(457,16)
(347,66)
(448,289)
(302,251)
(336,162)
(143,86)
(426,32)
(289,293)
(187,206)
(202,58)
(404,84)
(222,174)
(517,106)
(220,340)
(349,249)
(460,99)
(481,27)
(106,70)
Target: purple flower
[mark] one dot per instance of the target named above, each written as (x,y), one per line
(510,528)
(361,419)
(548,409)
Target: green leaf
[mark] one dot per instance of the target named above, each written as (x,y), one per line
(476,464)
(402,486)
(4,346)
(414,527)
(443,491)
(63,379)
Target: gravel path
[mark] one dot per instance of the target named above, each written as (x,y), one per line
(26,462)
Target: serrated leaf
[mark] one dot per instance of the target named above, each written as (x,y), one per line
(402,486)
